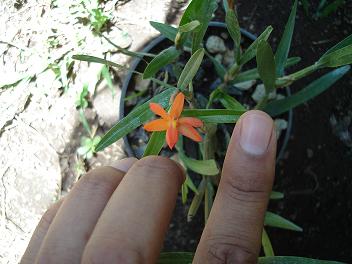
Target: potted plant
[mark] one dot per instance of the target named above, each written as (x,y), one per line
(201,107)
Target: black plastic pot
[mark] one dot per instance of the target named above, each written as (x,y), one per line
(157,41)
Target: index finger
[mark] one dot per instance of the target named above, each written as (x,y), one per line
(233,231)
(133,224)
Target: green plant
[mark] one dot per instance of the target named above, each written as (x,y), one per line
(90,12)
(324,9)
(271,68)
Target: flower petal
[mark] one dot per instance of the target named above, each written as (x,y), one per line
(158,110)
(192,121)
(190,132)
(156,125)
(171,136)
(177,106)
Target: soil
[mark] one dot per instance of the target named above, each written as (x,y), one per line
(315,174)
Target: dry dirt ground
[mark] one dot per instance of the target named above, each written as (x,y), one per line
(40,128)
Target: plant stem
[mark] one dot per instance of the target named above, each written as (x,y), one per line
(85,122)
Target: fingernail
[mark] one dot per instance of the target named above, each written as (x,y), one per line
(256,130)
(124,164)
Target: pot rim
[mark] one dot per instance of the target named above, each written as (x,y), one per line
(158,40)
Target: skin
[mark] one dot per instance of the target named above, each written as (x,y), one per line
(120,213)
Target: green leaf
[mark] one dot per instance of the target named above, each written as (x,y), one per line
(197,200)
(253,73)
(315,88)
(266,243)
(184,192)
(345,42)
(203,167)
(189,26)
(275,220)
(293,260)
(229,102)
(214,115)
(252,49)
(190,69)
(96,60)
(276,195)
(219,68)
(285,42)
(155,144)
(233,28)
(165,30)
(106,75)
(340,57)
(176,258)
(134,119)
(225,4)
(331,8)
(191,185)
(306,4)
(164,58)
(266,65)
(201,10)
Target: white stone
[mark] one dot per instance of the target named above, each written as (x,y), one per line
(244,86)
(215,44)
(280,125)
(259,93)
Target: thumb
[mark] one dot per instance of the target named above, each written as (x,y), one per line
(233,231)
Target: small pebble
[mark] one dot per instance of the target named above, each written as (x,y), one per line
(309,153)
(215,44)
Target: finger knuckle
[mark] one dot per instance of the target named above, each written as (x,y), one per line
(229,249)
(248,188)
(96,182)
(111,252)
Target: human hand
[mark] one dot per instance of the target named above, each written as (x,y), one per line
(120,213)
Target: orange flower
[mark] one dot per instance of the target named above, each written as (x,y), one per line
(172,123)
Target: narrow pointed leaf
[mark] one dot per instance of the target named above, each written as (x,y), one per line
(345,42)
(278,221)
(190,69)
(276,195)
(189,26)
(266,243)
(164,58)
(293,260)
(315,88)
(285,42)
(184,192)
(134,119)
(201,10)
(166,30)
(229,102)
(155,144)
(214,115)
(191,185)
(196,201)
(252,49)
(233,28)
(340,57)
(203,167)
(176,258)
(266,65)
(97,60)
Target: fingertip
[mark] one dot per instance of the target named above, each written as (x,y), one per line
(164,163)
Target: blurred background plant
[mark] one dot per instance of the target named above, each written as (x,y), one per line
(324,8)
